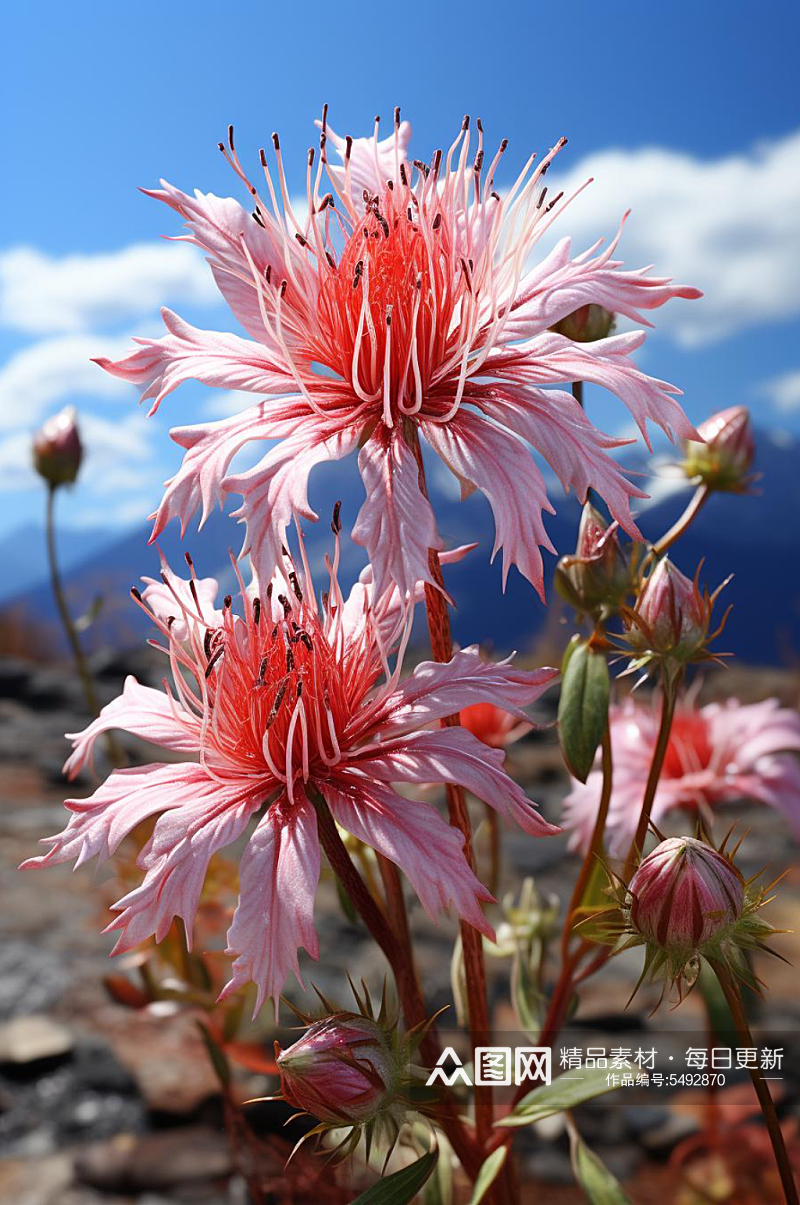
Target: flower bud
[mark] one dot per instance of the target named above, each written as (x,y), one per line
(725,459)
(598,575)
(342,1070)
(685,896)
(57,449)
(587,324)
(673,615)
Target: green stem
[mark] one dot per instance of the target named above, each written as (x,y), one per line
(596,845)
(84,673)
(734,999)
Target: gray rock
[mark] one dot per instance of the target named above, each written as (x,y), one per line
(156,1162)
(27,1040)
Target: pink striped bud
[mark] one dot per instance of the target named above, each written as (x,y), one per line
(342,1070)
(57,449)
(685,896)
(725,459)
(674,614)
(587,324)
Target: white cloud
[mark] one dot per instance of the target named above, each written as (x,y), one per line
(783,391)
(727,225)
(40,375)
(41,294)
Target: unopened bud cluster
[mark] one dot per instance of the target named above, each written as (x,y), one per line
(587,324)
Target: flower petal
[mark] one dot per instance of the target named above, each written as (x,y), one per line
(453,755)
(276,489)
(557,426)
(187,353)
(435,690)
(417,839)
(101,821)
(144,712)
(278,877)
(503,469)
(176,860)
(396,524)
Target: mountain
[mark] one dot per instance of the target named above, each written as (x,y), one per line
(753,537)
(23,555)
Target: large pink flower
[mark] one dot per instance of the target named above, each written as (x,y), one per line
(401,304)
(717,754)
(274,706)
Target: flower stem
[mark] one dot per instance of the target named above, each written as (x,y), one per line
(441,639)
(398,955)
(699,499)
(670,692)
(596,844)
(734,999)
(81,664)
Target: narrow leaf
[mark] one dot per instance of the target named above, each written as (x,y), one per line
(488,1174)
(600,1186)
(583,707)
(401,1187)
(565,1092)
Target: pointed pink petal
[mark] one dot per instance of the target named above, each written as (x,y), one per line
(176,859)
(187,353)
(453,755)
(776,782)
(396,524)
(219,225)
(276,489)
(559,285)
(210,448)
(435,690)
(557,426)
(417,839)
(102,820)
(503,469)
(144,712)
(278,878)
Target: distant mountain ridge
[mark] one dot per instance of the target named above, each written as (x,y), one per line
(753,537)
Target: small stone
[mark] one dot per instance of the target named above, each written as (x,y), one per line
(27,1040)
(156,1162)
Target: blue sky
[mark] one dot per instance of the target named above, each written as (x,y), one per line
(687,112)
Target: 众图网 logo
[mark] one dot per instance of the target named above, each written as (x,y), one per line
(499,1065)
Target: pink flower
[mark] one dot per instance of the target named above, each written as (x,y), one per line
(684,895)
(723,462)
(277,705)
(717,754)
(398,305)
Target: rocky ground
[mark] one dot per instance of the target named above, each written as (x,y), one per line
(106,1105)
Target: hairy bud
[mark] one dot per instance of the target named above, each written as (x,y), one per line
(671,615)
(724,461)
(57,449)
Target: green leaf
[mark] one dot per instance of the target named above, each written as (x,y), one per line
(488,1174)
(600,1186)
(564,1093)
(401,1187)
(583,707)
(528,998)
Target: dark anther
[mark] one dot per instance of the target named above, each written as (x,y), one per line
(403,176)
(230,137)
(256,611)
(214,661)
(276,706)
(289,660)
(503,146)
(209,636)
(348,147)
(302,241)
(269,591)
(330,259)
(306,640)
(336,523)
(268,273)
(554,201)
(276,142)
(187,556)
(136,593)
(478,161)
(437,221)
(422,168)
(436,162)
(479,125)
(262,154)
(311,156)
(257,216)
(465,122)
(283,288)
(287,606)
(542,196)
(296,586)
(300,690)
(397,116)
(226,602)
